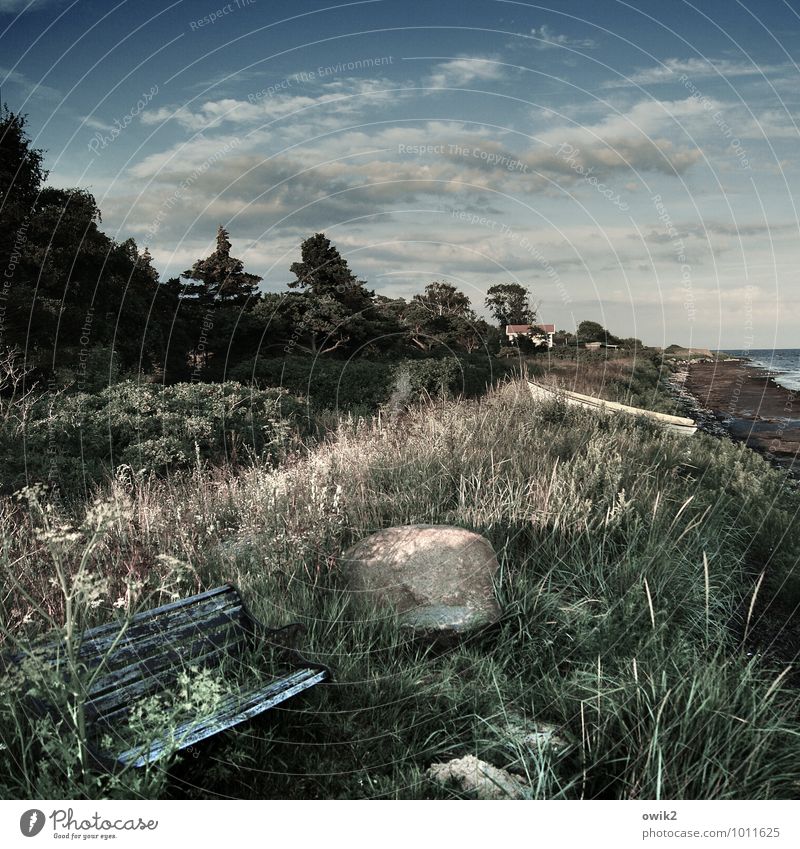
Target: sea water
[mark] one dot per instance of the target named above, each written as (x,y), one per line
(783,363)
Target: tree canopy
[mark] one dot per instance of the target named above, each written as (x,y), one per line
(509,303)
(592,331)
(221,278)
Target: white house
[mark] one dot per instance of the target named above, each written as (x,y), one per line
(539,334)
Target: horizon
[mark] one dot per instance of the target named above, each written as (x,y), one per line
(605,160)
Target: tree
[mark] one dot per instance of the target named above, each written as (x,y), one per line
(444,299)
(334,310)
(425,327)
(319,325)
(591,331)
(221,278)
(509,303)
(472,332)
(564,338)
(323,272)
(21,173)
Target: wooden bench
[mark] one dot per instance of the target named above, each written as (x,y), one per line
(195,667)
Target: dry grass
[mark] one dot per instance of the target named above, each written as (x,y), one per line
(625,554)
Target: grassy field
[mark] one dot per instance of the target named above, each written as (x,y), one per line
(638,379)
(636,566)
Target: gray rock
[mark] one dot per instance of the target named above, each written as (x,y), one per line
(479,779)
(436,577)
(537,736)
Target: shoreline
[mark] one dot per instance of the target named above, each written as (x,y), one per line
(749,405)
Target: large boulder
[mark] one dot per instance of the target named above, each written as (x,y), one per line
(436,577)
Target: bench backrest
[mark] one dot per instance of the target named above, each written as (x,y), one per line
(204,630)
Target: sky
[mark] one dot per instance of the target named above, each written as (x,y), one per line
(634,164)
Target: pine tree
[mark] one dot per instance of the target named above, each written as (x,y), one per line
(221,278)
(324,273)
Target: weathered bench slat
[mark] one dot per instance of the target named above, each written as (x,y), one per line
(113,706)
(139,679)
(170,607)
(234,710)
(127,662)
(99,643)
(129,652)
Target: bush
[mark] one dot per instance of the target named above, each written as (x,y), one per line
(71,441)
(325,384)
(361,385)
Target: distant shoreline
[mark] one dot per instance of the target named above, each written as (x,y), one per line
(751,406)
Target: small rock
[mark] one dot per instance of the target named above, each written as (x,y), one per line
(437,577)
(479,778)
(536,736)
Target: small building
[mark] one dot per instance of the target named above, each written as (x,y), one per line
(595,346)
(539,334)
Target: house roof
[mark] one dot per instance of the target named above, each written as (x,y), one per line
(525,328)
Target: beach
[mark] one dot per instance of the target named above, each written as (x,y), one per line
(751,406)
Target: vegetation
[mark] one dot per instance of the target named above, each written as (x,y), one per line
(157,438)
(637,379)
(630,559)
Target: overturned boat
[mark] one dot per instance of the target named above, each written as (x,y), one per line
(679,424)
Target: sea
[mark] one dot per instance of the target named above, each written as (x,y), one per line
(784,363)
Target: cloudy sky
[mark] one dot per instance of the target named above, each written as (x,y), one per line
(632,163)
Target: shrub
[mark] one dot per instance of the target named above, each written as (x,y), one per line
(360,385)
(325,384)
(72,441)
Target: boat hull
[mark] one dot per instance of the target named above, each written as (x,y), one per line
(677,424)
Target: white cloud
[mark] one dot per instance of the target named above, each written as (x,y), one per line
(546,39)
(771,124)
(640,139)
(347,96)
(456,73)
(28,86)
(671,69)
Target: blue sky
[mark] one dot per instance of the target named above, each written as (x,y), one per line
(634,164)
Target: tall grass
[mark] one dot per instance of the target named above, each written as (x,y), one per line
(627,555)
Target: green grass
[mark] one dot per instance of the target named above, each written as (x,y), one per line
(638,379)
(629,559)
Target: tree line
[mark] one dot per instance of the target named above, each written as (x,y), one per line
(84,310)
